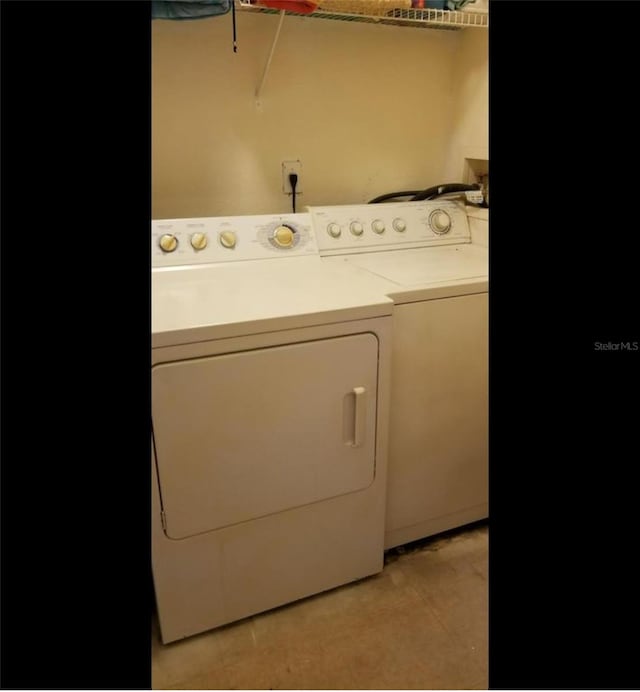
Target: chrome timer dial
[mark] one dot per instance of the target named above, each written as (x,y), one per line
(168,242)
(283,236)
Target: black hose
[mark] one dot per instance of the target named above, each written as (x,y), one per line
(446,189)
(391,195)
(429,193)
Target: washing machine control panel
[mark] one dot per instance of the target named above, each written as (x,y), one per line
(367,227)
(176,242)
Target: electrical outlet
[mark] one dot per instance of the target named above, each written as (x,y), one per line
(291,167)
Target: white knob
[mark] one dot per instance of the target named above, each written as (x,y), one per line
(227,239)
(356,228)
(168,242)
(334,230)
(199,241)
(378,226)
(440,221)
(399,225)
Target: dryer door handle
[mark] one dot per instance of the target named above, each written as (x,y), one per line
(359,415)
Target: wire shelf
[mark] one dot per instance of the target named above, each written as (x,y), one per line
(381,14)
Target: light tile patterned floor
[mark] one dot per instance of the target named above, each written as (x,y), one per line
(419,624)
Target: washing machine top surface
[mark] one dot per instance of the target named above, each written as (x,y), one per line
(222,277)
(426,265)
(411,251)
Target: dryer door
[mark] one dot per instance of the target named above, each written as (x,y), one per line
(243,435)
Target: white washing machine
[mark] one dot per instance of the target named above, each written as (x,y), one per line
(421,254)
(270,387)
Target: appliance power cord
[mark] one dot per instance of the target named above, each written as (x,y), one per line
(293,179)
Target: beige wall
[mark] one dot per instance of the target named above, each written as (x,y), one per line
(368,109)
(470,117)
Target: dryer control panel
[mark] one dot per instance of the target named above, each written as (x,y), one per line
(176,242)
(371,227)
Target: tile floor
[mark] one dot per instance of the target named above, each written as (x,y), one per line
(419,624)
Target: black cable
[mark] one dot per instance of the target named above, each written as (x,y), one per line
(391,195)
(429,193)
(446,189)
(293,180)
(233,20)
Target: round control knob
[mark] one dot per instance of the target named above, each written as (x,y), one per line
(283,236)
(227,239)
(199,241)
(334,230)
(399,225)
(356,228)
(440,221)
(378,226)
(168,242)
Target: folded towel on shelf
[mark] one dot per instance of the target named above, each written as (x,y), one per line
(299,6)
(457,4)
(188,9)
(477,6)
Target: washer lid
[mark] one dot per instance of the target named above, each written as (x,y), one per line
(426,265)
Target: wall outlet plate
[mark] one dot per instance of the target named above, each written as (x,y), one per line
(291,167)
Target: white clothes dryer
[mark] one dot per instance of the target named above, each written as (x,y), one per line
(270,387)
(421,254)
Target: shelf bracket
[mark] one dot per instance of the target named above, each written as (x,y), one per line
(270,58)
